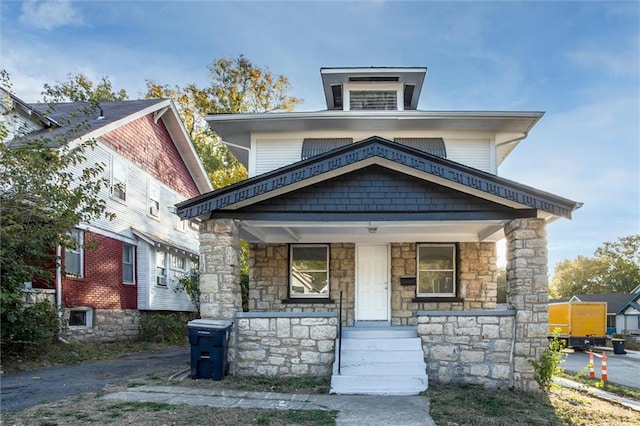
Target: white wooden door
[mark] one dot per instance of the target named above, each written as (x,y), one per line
(372,283)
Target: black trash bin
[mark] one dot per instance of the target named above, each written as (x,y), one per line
(209,340)
(618,346)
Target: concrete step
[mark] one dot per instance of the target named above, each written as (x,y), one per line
(382,344)
(371,385)
(380,369)
(361,356)
(378,332)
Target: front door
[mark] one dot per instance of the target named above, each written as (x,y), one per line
(372,282)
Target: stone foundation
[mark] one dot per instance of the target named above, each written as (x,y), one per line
(286,344)
(108,326)
(471,347)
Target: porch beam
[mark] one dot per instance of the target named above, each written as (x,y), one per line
(376,216)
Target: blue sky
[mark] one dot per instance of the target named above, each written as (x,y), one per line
(577,61)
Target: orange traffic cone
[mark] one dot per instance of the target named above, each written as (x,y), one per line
(604,367)
(592,373)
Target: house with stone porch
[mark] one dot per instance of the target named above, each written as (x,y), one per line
(372,229)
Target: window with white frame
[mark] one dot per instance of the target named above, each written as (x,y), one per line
(161,268)
(178,262)
(181,225)
(128,264)
(118,179)
(436,270)
(74,255)
(153,199)
(309,271)
(80,317)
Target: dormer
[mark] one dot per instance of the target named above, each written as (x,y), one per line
(372,89)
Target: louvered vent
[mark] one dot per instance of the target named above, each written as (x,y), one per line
(433,146)
(315,146)
(386,100)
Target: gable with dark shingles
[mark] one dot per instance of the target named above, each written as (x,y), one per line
(375,189)
(615,301)
(375,149)
(80,118)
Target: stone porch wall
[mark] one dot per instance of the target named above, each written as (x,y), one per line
(269,280)
(269,277)
(477,280)
(285,344)
(469,346)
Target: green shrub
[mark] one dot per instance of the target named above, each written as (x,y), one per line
(28,328)
(549,363)
(165,327)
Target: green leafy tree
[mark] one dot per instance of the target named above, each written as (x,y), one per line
(42,198)
(614,268)
(79,88)
(502,285)
(236,85)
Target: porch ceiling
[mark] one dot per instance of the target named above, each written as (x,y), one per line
(370,232)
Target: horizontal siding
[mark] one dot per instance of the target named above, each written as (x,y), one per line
(472,153)
(133,212)
(273,154)
(167,298)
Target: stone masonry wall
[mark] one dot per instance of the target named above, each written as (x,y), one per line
(477,281)
(269,277)
(471,346)
(109,325)
(286,344)
(527,293)
(269,280)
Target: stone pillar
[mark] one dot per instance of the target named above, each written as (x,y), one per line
(220,295)
(527,293)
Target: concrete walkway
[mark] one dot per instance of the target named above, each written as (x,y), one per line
(353,409)
(608,396)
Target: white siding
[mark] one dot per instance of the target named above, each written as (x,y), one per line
(472,153)
(276,153)
(134,213)
(166,298)
(143,256)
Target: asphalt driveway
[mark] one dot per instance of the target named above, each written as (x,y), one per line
(621,369)
(28,389)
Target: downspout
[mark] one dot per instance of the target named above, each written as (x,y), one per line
(512,353)
(59,281)
(59,288)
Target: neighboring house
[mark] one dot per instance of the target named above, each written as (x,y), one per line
(623,310)
(373,213)
(132,263)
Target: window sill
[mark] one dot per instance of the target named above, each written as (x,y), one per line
(436,299)
(306,300)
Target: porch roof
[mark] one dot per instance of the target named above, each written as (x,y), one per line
(488,201)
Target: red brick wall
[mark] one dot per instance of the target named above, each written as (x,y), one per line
(149,146)
(101,286)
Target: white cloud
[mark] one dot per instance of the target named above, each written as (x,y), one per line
(49,14)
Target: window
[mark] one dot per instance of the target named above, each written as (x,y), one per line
(128,264)
(181,225)
(118,179)
(81,317)
(74,256)
(178,262)
(153,199)
(161,268)
(309,271)
(436,270)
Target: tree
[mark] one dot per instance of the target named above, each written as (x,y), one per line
(78,88)
(42,198)
(614,268)
(236,85)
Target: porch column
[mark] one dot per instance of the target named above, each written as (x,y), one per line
(527,293)
(220,295)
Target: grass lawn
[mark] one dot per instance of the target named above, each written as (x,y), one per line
(451,405)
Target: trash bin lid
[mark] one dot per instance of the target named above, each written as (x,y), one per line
(210,323)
